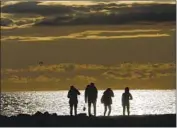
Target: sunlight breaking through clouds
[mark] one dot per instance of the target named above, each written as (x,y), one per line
(81,3)
(138,33)
(16,26)
(6,3)
(59,13)
(87,2)
(68,3)
(125,36)
(13,21)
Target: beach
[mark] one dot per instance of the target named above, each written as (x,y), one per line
(51,49)
(81,120)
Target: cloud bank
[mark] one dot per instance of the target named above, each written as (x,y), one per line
(61,76)
(95,34)
(79,71)
(54,13)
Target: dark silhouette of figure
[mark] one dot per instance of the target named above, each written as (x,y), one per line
(126,96)
(73,101)
(91,93)
(107,100)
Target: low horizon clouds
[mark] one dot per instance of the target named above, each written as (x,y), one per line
(49,73)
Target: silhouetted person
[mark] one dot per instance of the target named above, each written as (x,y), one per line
(73,101)
(107,100)
(126,96)
(91,93)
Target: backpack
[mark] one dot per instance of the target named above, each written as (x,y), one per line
(102,99)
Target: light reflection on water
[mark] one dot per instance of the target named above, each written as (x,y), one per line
(144,102)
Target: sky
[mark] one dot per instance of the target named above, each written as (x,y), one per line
(24,14)
(110,43)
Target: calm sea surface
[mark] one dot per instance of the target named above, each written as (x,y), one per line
(144,102)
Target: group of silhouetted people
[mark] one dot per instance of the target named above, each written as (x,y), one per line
(91,94)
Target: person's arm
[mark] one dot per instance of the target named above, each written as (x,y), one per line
(96,93)
(78,92)
(131,98)
(68,94)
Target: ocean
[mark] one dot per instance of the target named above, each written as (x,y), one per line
(145,102)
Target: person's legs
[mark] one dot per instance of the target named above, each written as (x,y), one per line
(123,109)
(128,109)
(71,109)
(89,108)
(94,107)
(75,109)
(105,109)
(109,107)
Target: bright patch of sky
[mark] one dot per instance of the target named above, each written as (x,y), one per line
(105,2)
(91,2)
(95,35)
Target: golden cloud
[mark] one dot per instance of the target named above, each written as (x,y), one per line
(83,78)
(17,79)
(81,72)
(93,35)
(43,78)
(25,80)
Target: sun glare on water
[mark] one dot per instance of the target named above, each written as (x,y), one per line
(144,102)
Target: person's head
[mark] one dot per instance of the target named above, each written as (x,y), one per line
(108,89)
(92,84)
(72,87)
(127,90)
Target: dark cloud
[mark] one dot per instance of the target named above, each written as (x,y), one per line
(101,13)
(117,15)
(6,22)
(34,8)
